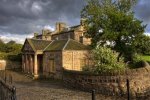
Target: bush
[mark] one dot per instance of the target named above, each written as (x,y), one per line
(3,56)
(16,57)
(10,56)
(137,62)
(137,58)
(105,60)
(88,69)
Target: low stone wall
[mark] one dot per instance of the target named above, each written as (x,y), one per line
(110,84)
(13,64)
(7,64)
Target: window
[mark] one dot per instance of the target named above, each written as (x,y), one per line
(52,65)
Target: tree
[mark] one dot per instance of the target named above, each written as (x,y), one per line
(142,45)
(10,50)
(2,46)
(11,42)
(112,21)
(1,42)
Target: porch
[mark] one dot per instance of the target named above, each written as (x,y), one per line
(32,64)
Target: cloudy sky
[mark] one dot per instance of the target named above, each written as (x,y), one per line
(20,18)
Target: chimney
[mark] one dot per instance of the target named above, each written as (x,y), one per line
(60,26)
(35,35)
(45,31)
(82,21)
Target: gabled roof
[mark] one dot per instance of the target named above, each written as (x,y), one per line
(66,45)
(38,44)
(74,27)
(56,45)
(74,45)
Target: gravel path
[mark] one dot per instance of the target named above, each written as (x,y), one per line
(28,89)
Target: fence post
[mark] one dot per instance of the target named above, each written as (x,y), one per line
(128,90)
(5,78)
(10,79)
(93,95)
(14,93)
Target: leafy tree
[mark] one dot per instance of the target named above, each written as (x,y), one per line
(1,42)
(10,50)
(113,21)
(11,42)
(1,45)
(105,60)
(142,44)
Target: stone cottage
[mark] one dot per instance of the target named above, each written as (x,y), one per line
(48,53)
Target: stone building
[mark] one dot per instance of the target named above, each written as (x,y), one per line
(48,53)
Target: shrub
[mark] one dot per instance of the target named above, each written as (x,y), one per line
(136,58)
(137,62)
(3,56)
(15,57)
(10,56)
(105,60)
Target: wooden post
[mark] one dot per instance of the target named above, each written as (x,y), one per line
(128,90)
(93,95)
(14,94)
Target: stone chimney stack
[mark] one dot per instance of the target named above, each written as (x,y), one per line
(35,35)
(45,31)
(60,26)
(82,21)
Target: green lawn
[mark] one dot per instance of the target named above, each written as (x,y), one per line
(146,58)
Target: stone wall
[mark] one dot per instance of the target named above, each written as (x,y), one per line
(7,64)
(74,59)
(57,58)
(13,64)
(68,59)
(110,84)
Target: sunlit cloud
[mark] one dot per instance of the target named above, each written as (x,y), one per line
(15,37)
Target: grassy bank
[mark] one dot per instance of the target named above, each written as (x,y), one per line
(145,58)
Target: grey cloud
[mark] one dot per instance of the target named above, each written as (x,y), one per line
(142,12)
(25,16)
(22,16)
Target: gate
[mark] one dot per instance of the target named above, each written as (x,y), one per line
(7,90)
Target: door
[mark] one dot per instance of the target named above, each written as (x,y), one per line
(40,64)
(52,65)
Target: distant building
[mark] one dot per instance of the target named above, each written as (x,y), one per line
(48,53)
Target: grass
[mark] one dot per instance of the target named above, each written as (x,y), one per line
(145,58)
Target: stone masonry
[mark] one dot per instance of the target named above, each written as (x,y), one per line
(110,84)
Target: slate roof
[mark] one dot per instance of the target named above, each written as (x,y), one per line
(74,27)
(56,45)
(66,45)
(37,44)
(74,45)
